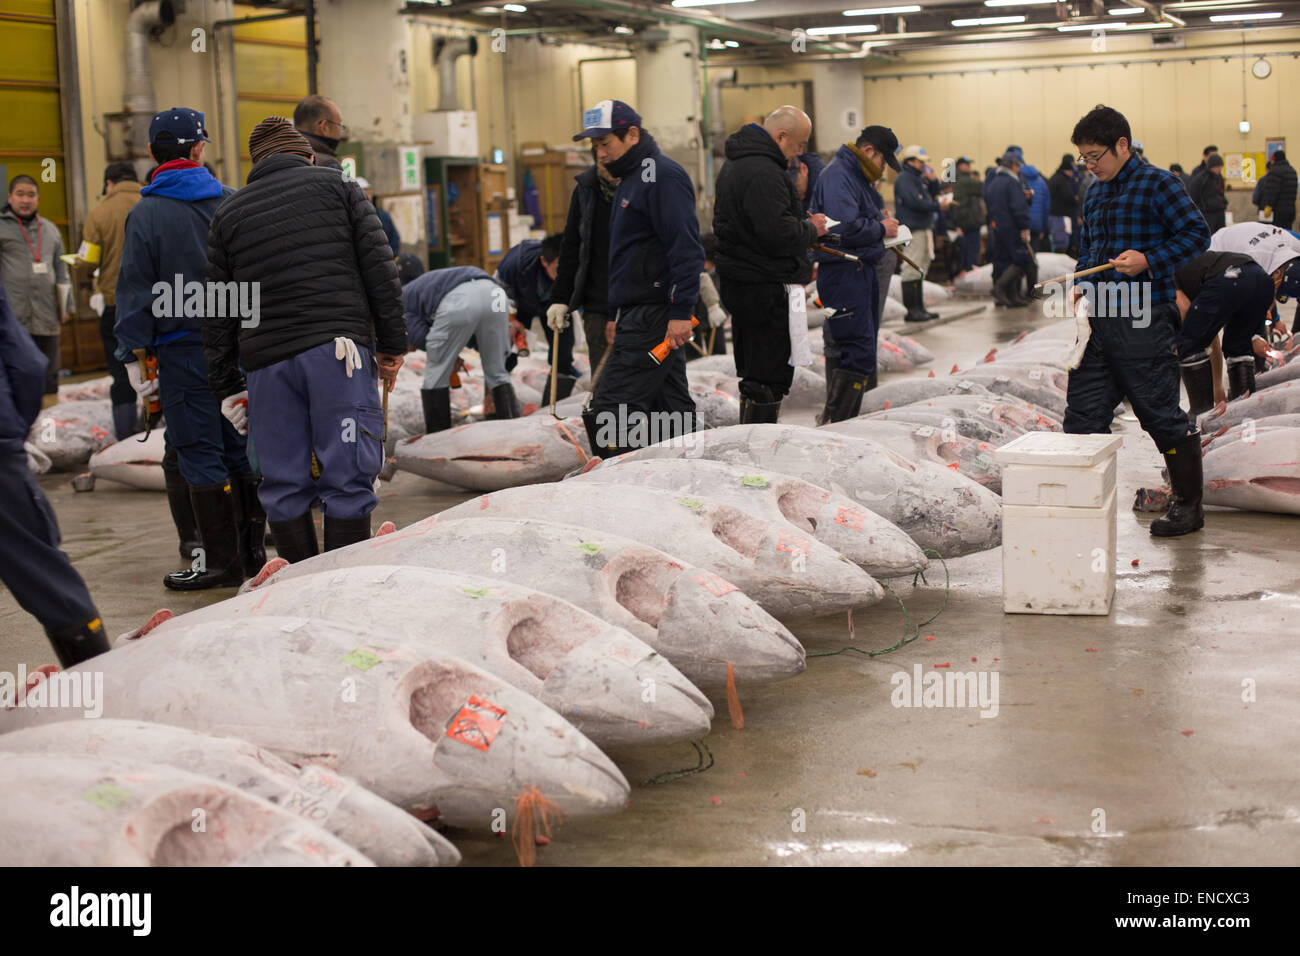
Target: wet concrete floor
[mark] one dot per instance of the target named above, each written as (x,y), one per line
(1167,733)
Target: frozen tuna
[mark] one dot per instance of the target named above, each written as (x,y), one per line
(433,734)
(1041,385)
(1258,475)
(60,809)
(787,572)
(591,672)
(937,445)
(132,462)
(907,391)
(694,618)
(916,353)
(807,390)
(70,432)
(380,831)
(501,453)
(1283,399)
(868,540)
(935,506)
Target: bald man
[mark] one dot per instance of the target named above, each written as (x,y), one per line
(762,258)
(321,122)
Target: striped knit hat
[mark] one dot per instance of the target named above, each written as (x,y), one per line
(275,134)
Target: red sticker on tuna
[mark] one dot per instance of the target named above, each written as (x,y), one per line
(792,543)
(715,585)
(850,518)
(477,724)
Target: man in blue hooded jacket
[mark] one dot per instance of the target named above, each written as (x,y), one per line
(844,193)
(39,575)
(161,304)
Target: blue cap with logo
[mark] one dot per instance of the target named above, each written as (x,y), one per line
(605,117)
(177,126)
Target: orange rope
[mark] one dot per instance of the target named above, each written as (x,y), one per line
(583,457)
(531,817)
(733,700)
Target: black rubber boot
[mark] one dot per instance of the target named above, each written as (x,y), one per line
(1241,376)
(1031,279)
(563,388)
(504,401)
(295,539)
(1009,283)
(844,395)
(591,423)
(919,286)
(437,409)
(758,413)
(78,642)
(252,526)
(341,532)
(1198,379)
(178,499)
(1187,483)
(215,511)
(912,302)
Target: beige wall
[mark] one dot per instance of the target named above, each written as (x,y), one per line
(1175,109)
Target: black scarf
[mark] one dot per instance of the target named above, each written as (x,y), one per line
(630,161)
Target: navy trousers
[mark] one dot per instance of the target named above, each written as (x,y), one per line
(1134,359)
(308,403)
(39,575)
(208,448)
(1236,301)
(853,293)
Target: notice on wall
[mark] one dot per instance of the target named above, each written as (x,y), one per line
(409,166)
(494,234)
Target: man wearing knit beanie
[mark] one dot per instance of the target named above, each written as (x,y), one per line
(160,306)
(302,378)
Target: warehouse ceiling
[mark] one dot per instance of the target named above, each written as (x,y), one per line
(785,28)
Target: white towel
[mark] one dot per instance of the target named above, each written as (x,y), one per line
(1082,331)
(800,353)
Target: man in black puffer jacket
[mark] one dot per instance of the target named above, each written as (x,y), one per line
(1277,190)
(762,258)
(309,242)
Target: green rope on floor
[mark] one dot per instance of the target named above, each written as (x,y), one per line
(701,750)
(909,634)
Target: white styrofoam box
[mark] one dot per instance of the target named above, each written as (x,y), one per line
(1058,560)
(449,132)
(1051,468)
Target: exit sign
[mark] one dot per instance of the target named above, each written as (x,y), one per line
(409,160)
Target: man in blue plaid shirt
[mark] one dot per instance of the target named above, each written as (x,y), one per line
(1141,220)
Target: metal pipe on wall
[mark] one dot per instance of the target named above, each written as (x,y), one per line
(74,158)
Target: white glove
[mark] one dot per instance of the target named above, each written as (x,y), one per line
(97,303)
(346,351)
(557,317)
(717,316)
(135,375)
(235,408)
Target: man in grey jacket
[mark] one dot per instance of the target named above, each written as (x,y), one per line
(34,276)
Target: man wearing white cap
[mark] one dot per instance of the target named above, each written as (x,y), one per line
(915,199)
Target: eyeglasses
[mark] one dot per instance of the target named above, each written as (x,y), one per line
(342,129)
(1092,160)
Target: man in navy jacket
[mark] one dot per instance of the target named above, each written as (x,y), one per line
(39,575)
(161,303)
(655,261)
(844,193)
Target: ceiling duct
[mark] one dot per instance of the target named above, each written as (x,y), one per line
(145,21)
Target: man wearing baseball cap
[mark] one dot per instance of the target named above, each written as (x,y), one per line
(655,261)
(845,192)
(166,245)
(914,192)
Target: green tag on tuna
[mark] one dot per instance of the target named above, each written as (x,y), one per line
(106,795)
(361,660)
(754,481)
(691,503)
(590,547)
(476,593)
